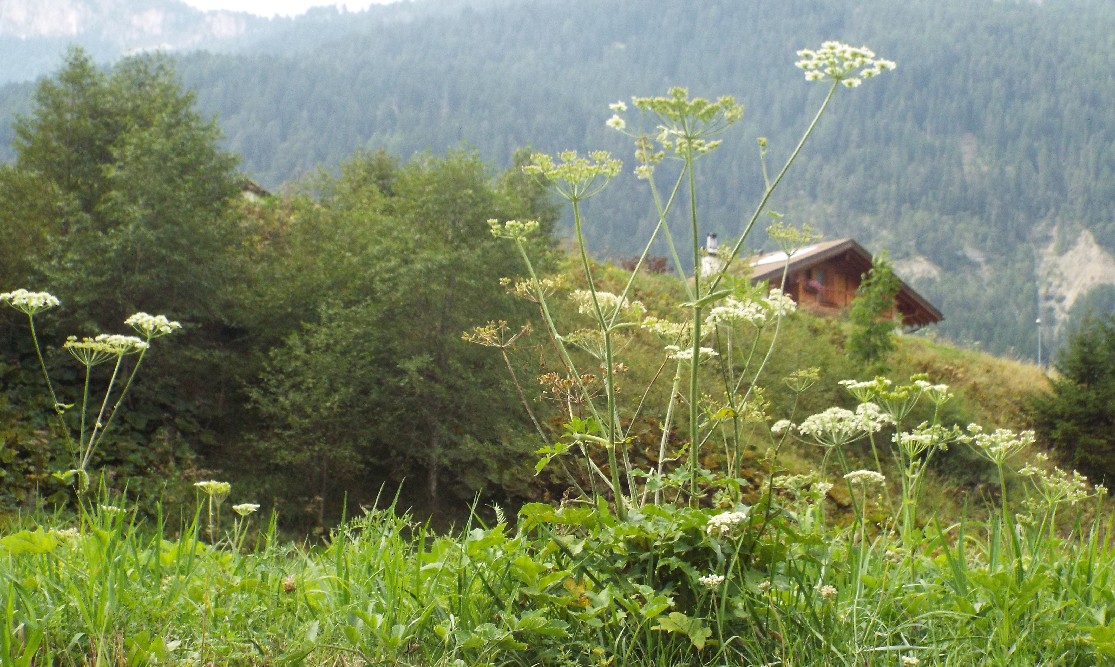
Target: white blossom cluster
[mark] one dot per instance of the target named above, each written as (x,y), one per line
(865,477)
(733,311)
(214,489)
(29,302)
(722,524)
(779,303)
(780,426)
(686,353)
(711,581)
(838,426)
(836,61)
(244,509)
(152,326)
(865,390)
(609,303)
(93,351)
(576,178)
(1000,445)
(672,331)
(938,393)
(1058,487)
(513,229)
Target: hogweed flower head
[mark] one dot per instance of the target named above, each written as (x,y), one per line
(827,591)
(839,62)
(1056,486)
(244,509)
(29,303)
(899,400)
(732,311)
(865,477)
(152,326)
(779,303)
(685,126)
(610,304)
(865,390)
(513,229)
(778,427)
(531,289)
(999,446)
(686,353)
(838,426)
(675,332)
(494,334)
(575,177)
(102,348)
(722,524)
(789,238)
(214,489)
(647,157)
(802,379)
(924,439)
(711,581)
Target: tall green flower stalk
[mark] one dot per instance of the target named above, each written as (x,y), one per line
(684,130)
(91,352)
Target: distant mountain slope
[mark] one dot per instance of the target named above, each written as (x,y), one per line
(977,163)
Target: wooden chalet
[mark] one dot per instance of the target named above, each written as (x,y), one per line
(824,278)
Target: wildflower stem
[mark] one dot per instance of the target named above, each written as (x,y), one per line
(666,431)
(124,391)
(98,427)
(551,328)
(695,342)
(42,364)
(56,406)
(771,188)
(609,370)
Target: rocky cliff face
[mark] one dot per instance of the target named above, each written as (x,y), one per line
(1067,271)
(120,26)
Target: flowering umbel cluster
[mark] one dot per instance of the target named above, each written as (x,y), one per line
(998,446)
(839,62)
(29,302)
(576,178)
(152,326)
(722,524)
(865,477)
(836,427)
(610,304)
(513,229)
(684,126)
(214,489)
(93,351)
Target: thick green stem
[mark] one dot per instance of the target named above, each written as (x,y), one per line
(770,189)
(611,427)
(695,343)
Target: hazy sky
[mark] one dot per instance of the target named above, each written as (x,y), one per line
(281,7)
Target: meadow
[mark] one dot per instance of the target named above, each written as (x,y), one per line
(733,536)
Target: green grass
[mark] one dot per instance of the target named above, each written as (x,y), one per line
(567,586)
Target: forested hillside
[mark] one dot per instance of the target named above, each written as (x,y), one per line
(977,165)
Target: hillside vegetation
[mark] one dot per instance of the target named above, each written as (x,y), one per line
(715,480)
(986,154)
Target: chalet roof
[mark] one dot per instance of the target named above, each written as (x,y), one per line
(769,267)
